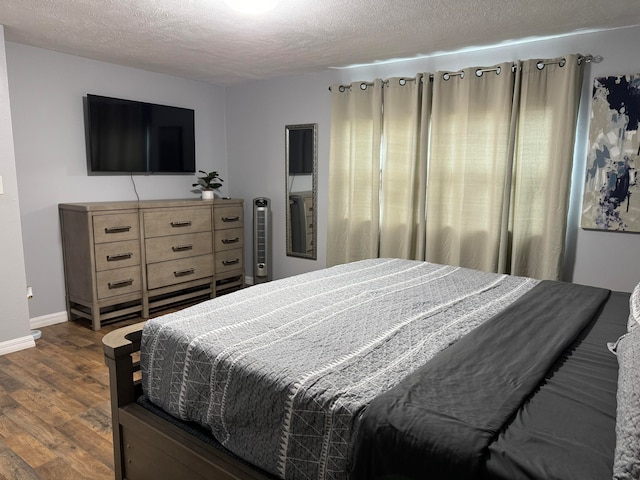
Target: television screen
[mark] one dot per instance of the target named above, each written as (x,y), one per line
(124,136)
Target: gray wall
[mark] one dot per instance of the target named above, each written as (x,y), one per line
(607,259)
(47,91)
(14,314)
(257,113)
(256,144)
(240,132)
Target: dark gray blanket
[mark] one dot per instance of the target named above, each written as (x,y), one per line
(439,421)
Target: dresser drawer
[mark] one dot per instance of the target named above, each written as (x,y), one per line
(161,249)
(309,242)
(177,222)
(117,255)
(229,239)
(229,260)
(228,217)
(178,271)
(116,227)
(119,281)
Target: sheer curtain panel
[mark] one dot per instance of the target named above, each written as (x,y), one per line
(354,172)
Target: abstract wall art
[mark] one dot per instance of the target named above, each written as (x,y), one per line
(612,192)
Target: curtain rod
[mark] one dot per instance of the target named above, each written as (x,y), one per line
(541,64)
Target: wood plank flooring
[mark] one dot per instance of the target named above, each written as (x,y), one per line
(55,416)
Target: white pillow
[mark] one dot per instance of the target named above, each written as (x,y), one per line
(634,308)
(626,463)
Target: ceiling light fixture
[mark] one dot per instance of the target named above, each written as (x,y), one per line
(252,7)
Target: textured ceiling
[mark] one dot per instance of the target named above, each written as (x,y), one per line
(205,40)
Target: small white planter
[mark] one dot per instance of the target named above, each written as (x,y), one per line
(207,194)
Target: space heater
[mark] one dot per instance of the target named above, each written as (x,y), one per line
(262,271)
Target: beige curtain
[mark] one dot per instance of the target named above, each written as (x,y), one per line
(354,172)
(470,165)
(550,96)
(500,153)
(407,105)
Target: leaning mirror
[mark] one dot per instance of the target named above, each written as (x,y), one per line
(301,158)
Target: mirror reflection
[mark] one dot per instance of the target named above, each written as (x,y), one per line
(301,173)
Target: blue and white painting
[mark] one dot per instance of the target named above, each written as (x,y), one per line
(612,194)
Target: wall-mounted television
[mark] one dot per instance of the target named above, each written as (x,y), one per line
(125,137)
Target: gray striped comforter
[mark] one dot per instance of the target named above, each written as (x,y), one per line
(279,372)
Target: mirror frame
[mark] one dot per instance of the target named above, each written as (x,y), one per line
(313,255)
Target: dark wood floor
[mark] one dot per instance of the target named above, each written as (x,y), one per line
(55,417)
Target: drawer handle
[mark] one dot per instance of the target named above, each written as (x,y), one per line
(120,284)
(181,248)
(182,273)
(226,263)
(231,219)
(118,229)
(227,241)
(186,223)
(119,256)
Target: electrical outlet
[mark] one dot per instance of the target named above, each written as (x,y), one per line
(1,187)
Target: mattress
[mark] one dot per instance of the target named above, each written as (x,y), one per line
(280,373)
(303,376)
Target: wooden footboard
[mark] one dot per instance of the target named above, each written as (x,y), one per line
(145,446)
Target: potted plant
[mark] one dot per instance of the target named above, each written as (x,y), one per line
(208,183)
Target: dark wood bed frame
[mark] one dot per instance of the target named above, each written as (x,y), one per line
(146,446)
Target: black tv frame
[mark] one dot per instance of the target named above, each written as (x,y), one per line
(148,143)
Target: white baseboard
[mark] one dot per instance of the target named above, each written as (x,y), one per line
(248,280)
(17,344)
(27,342)
(50,319)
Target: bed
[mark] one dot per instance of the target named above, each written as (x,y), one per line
(382,368)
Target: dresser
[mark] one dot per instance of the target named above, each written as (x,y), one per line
(125,259)
(229,246)
(300,234)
